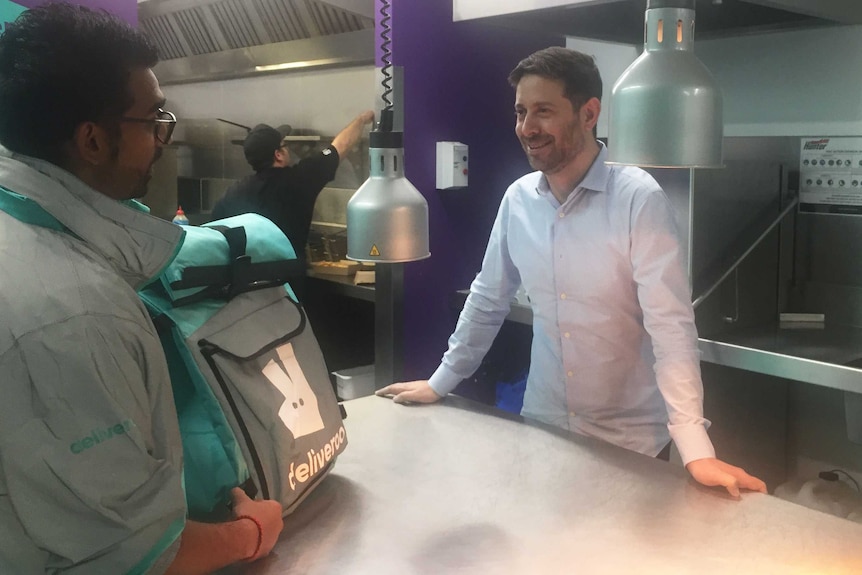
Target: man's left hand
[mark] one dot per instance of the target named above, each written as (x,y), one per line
(713,472)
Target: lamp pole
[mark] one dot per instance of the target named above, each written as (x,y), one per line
(388,323)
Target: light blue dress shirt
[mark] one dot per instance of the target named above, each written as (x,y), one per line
(614,351)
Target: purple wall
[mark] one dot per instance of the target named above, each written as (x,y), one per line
(455,88)
(125,9)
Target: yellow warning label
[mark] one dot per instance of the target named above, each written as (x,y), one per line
(374,251)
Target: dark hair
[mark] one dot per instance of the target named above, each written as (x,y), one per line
(261,143)
(577,71)
(61,65)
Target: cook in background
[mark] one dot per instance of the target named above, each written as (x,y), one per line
(614,352)
(282,192)
(90,450)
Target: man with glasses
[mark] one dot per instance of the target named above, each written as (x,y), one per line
(282,192)
(90,450)
(163,124)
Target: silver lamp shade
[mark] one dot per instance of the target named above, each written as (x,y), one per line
(666,107)
(387,217)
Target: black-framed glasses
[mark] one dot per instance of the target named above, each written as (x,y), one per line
(163,124)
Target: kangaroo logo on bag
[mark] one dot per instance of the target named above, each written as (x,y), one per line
(299,412)
(254,400)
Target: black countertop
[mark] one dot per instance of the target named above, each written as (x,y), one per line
(340,285)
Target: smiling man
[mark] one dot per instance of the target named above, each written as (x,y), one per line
(614,352)
(90,450)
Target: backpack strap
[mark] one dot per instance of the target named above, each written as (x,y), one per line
(28,211)
(240,275)
(240,262)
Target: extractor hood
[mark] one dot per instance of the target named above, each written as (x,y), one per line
(214,39)
(623,20)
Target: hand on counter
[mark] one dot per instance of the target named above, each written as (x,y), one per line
(410,392)
(713,472)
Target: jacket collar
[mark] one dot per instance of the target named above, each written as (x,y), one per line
(137,244)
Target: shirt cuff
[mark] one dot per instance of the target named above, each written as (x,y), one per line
(692,442)
(444,380)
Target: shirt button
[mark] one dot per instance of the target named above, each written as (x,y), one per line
(561,215)
(570,373)
(566,335)
(562,296)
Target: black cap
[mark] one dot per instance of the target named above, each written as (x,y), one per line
(261,143)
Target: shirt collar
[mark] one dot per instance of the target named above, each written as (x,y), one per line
(596,178)
(137,244)
(599,173)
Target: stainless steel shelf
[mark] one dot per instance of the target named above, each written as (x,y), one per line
(828,357)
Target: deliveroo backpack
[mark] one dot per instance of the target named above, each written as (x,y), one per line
(255,404)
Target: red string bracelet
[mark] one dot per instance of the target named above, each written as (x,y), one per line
(259,534)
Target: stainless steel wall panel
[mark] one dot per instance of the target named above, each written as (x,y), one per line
(234,23)
(281,24)
(348,49)
(182,28)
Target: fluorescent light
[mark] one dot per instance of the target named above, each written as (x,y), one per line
(298,64)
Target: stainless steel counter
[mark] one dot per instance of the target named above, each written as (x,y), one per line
(457,488)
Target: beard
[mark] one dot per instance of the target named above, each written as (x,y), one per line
(549,154)
(142,186)
(141,189)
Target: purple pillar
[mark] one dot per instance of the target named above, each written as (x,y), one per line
(455,88)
